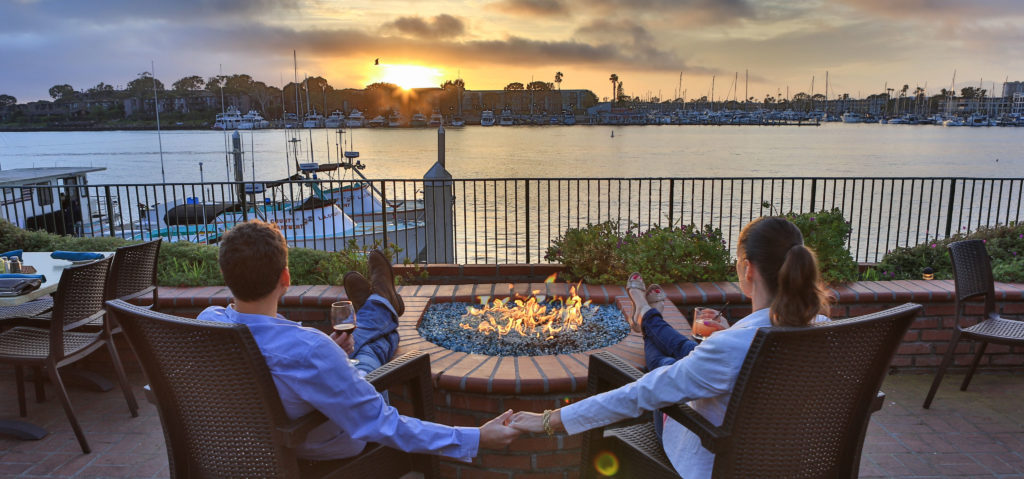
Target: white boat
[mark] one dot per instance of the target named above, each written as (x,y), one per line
(418,119)
(435,119)
(312,223)
(953,121)
(229,120)
(313,120)
(291,120)
(377,121)
(355,119)
(979,119)
(487,118)
(55,199)
(568,118)
(506,118)
(253,121)
(458,121)
(852,117)
(335,119)
(395,119)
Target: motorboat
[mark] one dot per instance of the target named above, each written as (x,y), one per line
(377,121)
(435,119)
(418,120)
(487,118)
(335,120)
(313,120)
(228,120)
(253,121)
(458,121)
(56,200)
(506,118)
(394,119)
(853,117)
(568,118)
(355,119)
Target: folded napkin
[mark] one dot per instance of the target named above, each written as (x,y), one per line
(12,254)
(23,276)
(75,255)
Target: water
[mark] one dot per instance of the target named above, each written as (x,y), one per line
(833,149)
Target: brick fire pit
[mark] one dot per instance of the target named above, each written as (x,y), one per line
(473,388)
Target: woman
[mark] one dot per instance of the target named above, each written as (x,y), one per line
(778,273)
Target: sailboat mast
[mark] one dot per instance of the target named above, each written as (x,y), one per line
(156,108)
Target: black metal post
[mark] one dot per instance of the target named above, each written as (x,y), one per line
(949,206)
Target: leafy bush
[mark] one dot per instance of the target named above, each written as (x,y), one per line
(1004,243)
(602,254)
(826,232)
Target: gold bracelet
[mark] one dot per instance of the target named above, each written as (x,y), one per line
(545,422)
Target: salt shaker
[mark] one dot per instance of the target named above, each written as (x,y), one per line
(15,265)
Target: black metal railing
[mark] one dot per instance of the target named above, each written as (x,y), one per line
(514,220)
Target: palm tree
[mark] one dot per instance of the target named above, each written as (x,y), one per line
(615,81)
(558,80)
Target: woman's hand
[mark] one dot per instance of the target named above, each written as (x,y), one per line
(526,421)
(497,434)
(713,315)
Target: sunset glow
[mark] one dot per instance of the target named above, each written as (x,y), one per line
(408,76)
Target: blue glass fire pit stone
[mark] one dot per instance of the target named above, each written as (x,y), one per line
(603,325)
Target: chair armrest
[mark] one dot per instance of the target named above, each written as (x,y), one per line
(412,367)
(608,371)
(294,433)
(712,437)
(879,401)
(130,297)
(402,369)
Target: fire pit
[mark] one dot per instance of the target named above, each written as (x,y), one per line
(523,326)
(472,387)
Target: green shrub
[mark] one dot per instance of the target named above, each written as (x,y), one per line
(590,253)
(827,232)
(1004,243)
(602,254)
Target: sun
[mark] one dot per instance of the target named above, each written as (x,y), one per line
(409,76)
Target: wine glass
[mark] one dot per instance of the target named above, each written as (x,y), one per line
(343,320)
(702,328)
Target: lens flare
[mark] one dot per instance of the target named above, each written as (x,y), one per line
(606,464)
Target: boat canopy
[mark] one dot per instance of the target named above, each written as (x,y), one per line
(195,214)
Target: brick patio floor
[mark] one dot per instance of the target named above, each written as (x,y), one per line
(978,433)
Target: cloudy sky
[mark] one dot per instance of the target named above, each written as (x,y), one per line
(861,43)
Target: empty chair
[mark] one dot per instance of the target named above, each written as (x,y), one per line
(133,273)
(800,406)
(972,274)
(78,301)
(222,415)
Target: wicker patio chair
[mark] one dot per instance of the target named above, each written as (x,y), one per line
(221,413)
(31,308)
(133,274)
(78,301)
(972,275)
(800,406)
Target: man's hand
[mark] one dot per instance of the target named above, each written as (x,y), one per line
(497,434)
(345,341)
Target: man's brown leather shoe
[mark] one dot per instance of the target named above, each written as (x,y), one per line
(383,279)
(357,287)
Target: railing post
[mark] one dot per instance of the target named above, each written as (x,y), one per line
(527,207)
(439,206)
(814,192)
(110,210)
(384,214)
(671,202)
(949,206)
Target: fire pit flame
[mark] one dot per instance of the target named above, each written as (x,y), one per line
(529,316)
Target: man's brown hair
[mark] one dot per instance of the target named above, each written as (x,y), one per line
(252,256)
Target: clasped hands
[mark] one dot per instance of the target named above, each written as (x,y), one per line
(502,430)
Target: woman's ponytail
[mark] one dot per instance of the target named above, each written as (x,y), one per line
(800,295)
(776,248)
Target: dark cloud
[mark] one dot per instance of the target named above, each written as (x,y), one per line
(535,8)
(682,11)
(943,9)
(441,26)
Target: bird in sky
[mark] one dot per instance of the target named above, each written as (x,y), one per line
(376,62)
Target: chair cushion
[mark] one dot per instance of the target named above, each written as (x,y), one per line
(998,330)
(34,343)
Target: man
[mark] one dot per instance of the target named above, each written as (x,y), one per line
(312,371)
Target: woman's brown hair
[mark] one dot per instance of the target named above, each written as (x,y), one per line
(789,269)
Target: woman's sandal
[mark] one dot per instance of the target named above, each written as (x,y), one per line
(636,282)
(656,297)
